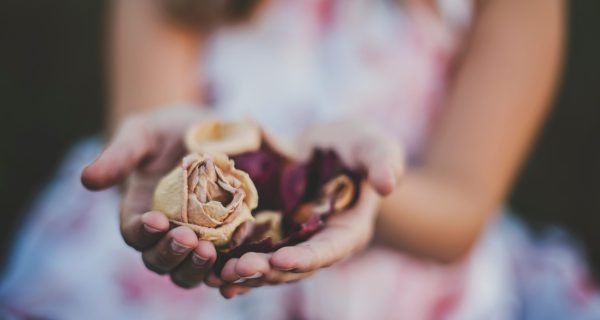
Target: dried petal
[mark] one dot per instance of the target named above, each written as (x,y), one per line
(267,224)
(230,138)
(336,195)
(264,168)
(209,195)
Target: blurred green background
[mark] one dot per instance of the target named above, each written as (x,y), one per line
(52,93)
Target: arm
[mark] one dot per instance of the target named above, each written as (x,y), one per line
(151,62)
(153,65)
(496,103)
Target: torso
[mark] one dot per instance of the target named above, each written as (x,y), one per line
(303,62)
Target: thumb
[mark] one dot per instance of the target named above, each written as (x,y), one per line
(133,142)
(384,162)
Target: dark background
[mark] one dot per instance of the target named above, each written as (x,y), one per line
(52,94)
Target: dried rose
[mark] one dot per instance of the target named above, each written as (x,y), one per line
(209,195)
(323,186)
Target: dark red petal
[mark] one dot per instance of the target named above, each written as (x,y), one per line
(264,168)
(294,180)
(283,186)
(303,232)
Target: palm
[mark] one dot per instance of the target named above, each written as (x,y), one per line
(151,145)
(144,149)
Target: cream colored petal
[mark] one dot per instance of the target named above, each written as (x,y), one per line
(191,160)
(228,168)
(216,193)
(221,235)
(342,190)
(251,194)
(272,221)
(216,211)
(338,192)
(196,214)
(231,138)
(169,195)
(225,185)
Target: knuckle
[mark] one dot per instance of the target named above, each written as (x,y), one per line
(315,258)
(138,126)
(249,256)
(272,276)
(297,277)
(334,254)
(134,122)
(158,261)
(129,240)
(163,258)
(271,279)
(213,283)
(153,267)
(129,233)
(180,282)
(293,280)
(132,244)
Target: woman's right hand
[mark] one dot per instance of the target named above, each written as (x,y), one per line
(144,148)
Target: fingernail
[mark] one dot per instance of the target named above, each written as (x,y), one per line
(255,276)
(178,247)
(151,229)
(198,260)
(392,173)
(243,279)
(394,182)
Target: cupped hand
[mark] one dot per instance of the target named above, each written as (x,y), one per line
(360,146)
(144,148)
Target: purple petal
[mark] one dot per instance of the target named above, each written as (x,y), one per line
(294,181)
(264,168)
(283,186)
(267,245)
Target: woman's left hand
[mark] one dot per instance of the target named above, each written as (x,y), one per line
(361,147)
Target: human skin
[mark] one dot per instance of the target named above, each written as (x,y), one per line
(497,99)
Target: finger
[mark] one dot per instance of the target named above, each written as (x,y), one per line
(274,277)
(232,290)
(171,250)
(228,273)
(133,142)
(331,245)
(382,178)
(196,266)
(367,148)
(142,231)
(214,281)
(384,162)
(252,265)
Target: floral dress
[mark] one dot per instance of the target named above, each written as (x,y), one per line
(300,63)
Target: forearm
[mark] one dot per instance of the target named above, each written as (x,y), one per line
(433,217)
(151,63)
(497,101)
